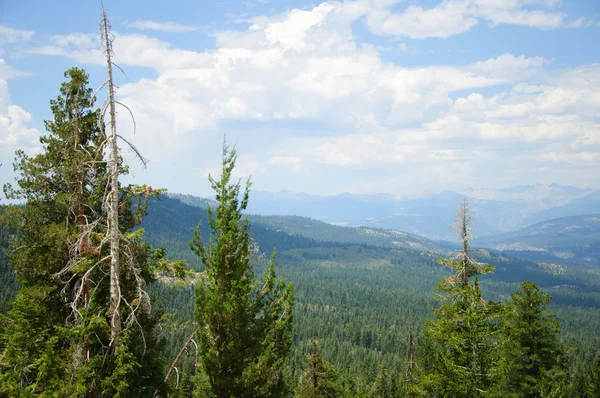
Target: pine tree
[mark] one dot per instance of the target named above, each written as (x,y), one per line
(320,380)
(243,327)
(381,386)
(58,335)
(532,353)
(61,186)
(462,338)
(594,378)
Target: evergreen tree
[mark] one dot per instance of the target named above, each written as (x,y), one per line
(462,338)
(243,327)
(320,379)
(532,354)
(381,386)
(594,383)
(58,329)
(59,192)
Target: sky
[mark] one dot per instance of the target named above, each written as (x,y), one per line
(360,96)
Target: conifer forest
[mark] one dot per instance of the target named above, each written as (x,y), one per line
(113,289)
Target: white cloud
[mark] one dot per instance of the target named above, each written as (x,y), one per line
(7,72)
(452,17)
(298,65)
(447,19)
(563,157)
(81,41)
(293,162)
(508,62)
(248,166)
(534,19)
(292,31)
(578,23)
(12,35)
(306,66)
(169,26)
(14,130)
(83,47)
(388,147)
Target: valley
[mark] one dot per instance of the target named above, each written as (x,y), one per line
(358,288)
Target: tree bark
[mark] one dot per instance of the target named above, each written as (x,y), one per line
(113,209)
(178,357)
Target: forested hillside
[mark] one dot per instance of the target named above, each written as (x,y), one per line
(356,291)
(573,240)
(320,243)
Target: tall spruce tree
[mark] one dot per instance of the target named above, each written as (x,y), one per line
(533,360)
(58,329)
(463,336)
(243,326)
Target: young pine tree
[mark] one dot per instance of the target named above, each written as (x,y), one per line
(320,380)
(533,358)
(243,326)
(382,384)
(462,338)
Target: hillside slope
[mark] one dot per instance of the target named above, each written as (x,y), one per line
(302,242)
(567,240)
(588,204)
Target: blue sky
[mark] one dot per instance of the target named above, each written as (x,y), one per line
(361,96)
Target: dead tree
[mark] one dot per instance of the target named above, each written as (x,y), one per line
(464,261)
(113,202)
(173,368)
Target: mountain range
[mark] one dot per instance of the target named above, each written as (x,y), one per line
(567,240)
(431,214)
(550,223)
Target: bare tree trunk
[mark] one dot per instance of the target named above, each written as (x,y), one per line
(113,208)
(464,219)
(178,357)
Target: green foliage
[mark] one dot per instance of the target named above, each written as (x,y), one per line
(320,380)
(59,191)
(356,297)
(57,333)
(533,360)
(7,275)
(382,387)
(243,327)
(463,337)
(594,382)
